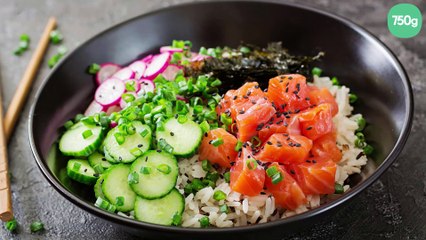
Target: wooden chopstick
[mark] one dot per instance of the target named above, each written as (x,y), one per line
(24,85)
(7,125)
(6,213)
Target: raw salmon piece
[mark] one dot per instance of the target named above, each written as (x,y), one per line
(318,96)
(316,122)
(325,148)
(315,176)
(223,154)
(281,124)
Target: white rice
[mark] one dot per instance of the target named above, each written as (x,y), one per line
(244,210)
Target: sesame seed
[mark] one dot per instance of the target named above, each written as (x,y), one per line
(172,134)
(309,128)
(241,112)
(269,143)
(206,134)
(292,171)
(313,161)
(290,77)
(235,97)
(259,127)
(140,145)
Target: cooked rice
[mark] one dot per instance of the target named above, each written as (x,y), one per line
(244,210)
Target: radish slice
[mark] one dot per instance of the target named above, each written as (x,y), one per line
(94,107)
(133,82)
(146,86)
(147,59)
(124,73)
(170,72)
(106,71)
(158,65)
(139,68)
(123,104)
(170,49)
(112,109)
(109,92)
(113,125)
(198,57)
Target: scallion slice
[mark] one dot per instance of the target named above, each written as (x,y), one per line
(86,134)
(164,168)
(219,195)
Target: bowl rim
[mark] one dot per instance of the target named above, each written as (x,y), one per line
(111,217)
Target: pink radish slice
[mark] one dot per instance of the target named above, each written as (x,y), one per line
(147,59)
(170,49)
(134,83)
(123,104)
(113,125)
(138,67)
(109,92)
(114,108)
(146,86)
(106,71)
(170,72)
(124,74)
(158,65)
(94,107)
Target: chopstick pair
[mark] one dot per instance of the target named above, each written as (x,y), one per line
(8,123)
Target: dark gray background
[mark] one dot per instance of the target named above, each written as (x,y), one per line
(393,208)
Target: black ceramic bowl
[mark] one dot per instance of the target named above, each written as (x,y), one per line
(360,61)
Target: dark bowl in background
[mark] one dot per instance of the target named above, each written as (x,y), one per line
(358,59)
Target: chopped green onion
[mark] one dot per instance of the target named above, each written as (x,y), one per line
(68,124)
(198,109)
(103,204)
(335,81)
(164,168)
(24,38)
(24,43)
(360,136)
(55,37)
(276,178)
(145,170)
(176,219)
(88,120)
(238,146)
(182,119)
(164,145)
(188,188)
(205,126)
(160,126)
(130,86)
(127,97)
(203,51)
(216,83)
(98,169)
(338,188)
(178,44)
(119,138)
(197,184)
(251,164)
(144,132)
(76,166)
(36,226)
(360,143)
(119,201)
(223,208)
(93,68)
(212,176)
(86,134)
(11,225)
(133,178)
(216,142)
(219,195)
(271,171)
(227,177)
(204,222)
(361,124)
(211,115)
(136,152)
(208,183)
(353,97)
(62,50)
(244,49)
(78,117)
(205,164)
(316,71)
(54,60)
(255,141)
(225,119)
(368,149)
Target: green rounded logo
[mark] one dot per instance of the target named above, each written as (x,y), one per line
(404,20)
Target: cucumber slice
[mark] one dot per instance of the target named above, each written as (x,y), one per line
(161,210)
(126,151)
(72,143)
(81,171)
(184,138)
(105,205)
(159,177)
(98,159)
(116,189)
(98,188)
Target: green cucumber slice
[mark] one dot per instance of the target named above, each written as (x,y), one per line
(98,188)
(98,159)
(157,173)
(116,189)
(184,138)
(81,171)
(161,210)
(125,152)
(72,143)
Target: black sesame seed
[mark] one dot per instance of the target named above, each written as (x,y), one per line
(140,145)
(308,161)
(241,112)
(269,143)
(298,86)
(292,171)
(103,159)
(172,134)
(85,170)
(286,89)
(256,86)
(248,93)
(245,97)
(120,158)
(259,127)
(309,128)
(297,145)
(235,97)
(159,150)
(232,163)
(313,161)
(290,77)
(359,155)
(96,174)
(307,99)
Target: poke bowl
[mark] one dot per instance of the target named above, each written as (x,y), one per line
(213,125)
